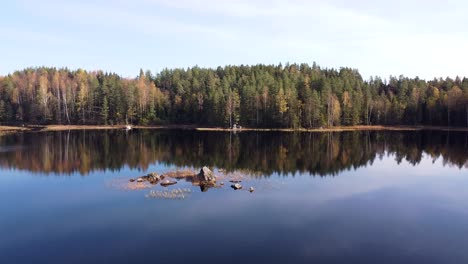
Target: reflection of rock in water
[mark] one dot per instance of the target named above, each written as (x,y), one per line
(204,186)
(176,194)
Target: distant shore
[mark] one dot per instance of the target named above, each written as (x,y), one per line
(39,128)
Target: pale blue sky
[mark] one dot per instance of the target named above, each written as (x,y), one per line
(415,38)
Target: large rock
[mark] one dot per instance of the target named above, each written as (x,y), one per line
(206,175)
(152,178)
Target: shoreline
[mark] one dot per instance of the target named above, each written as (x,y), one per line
(45,128)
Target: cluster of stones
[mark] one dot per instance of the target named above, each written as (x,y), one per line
(205,179)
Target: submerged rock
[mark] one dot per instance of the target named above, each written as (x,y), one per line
(177,194)
(235,181)
(132,180)
(236,186)
(206,175)
(167,183)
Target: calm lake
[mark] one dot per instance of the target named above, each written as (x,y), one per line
(350,197)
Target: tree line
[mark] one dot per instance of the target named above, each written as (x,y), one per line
(263,96)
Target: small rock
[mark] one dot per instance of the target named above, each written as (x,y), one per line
(139,180)
(167,183)
(235,181)
(132,180)
(236,186)
(251,189)
(222,183)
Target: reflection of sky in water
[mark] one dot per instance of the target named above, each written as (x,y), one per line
(10,148)
(386,211)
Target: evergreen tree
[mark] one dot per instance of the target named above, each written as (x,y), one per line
(105,111)
(3,111)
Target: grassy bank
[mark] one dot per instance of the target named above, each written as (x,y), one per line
(344,128)
(35,128)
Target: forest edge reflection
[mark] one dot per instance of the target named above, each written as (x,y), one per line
(254,153)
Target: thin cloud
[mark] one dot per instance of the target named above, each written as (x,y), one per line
(107,14)
(424,38)
(23,35)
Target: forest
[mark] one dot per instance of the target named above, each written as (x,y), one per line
(259,96)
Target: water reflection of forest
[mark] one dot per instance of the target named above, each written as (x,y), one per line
(262,153)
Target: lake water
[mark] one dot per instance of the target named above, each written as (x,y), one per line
(351,197)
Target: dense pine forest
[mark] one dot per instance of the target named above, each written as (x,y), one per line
(267,96)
